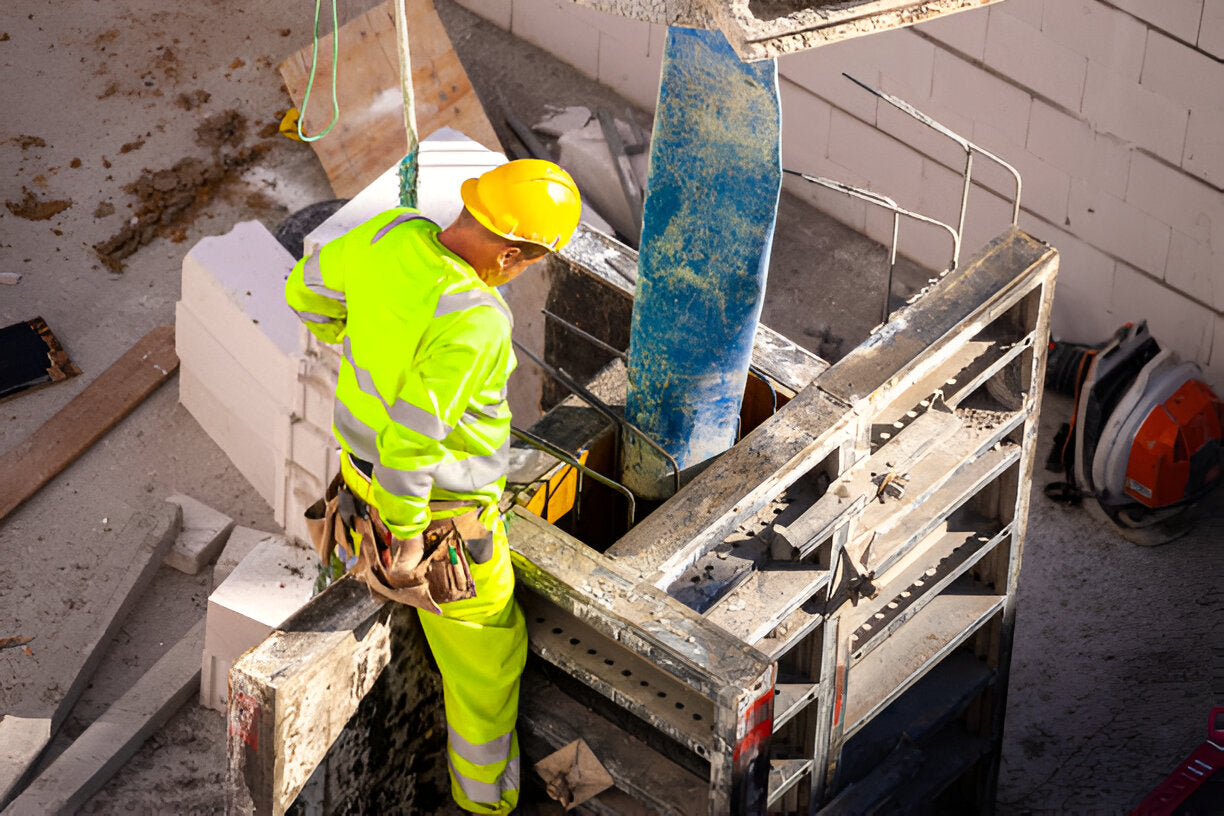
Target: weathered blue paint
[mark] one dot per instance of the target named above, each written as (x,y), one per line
(708,223)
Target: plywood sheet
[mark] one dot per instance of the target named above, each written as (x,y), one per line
(370,136)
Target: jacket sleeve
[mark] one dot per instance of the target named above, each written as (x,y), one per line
(452,365)
(315,291)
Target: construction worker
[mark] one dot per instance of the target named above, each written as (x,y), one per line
(423,426)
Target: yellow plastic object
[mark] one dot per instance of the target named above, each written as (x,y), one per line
(289,124)
(526,200)
(558,494)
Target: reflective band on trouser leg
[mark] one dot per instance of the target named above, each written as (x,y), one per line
(481,645)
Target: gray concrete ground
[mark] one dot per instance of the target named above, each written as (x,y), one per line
(1111,680)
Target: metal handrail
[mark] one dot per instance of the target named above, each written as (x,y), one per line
(599,405)
(872,197)
(539,443)
(969,147)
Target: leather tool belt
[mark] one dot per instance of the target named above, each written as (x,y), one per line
(423,571)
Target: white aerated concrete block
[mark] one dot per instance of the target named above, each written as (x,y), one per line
(1099,32)
(1117,105)
(242,396)
(252,454)
(565,29)
(201,537)
(242,542)
(236,284)
(1029,58)
(1178,17)
(965,31)
(1211,32)
(267,586)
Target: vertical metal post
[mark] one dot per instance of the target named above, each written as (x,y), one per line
(708,223)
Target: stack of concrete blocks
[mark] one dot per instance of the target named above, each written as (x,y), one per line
(268,585)
(1110,109)
(239,348)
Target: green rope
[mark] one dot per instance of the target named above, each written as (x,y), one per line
(314,65)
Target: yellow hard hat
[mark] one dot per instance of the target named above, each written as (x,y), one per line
(525,200)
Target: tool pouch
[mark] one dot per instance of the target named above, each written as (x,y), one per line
(423,571)
(324,523)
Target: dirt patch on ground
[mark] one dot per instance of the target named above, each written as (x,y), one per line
(170,199)
(191,100)
(27,142)
(32,208)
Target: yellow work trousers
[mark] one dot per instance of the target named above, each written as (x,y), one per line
(480,645)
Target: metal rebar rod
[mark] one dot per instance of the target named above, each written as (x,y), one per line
(602,407)
(539,443)
(608,347)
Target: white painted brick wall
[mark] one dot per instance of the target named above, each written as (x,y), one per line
(887,165)
(632,65)
(1213,368)
(1204,153)
(1178,17)
(1174,70)
(1176,322)
(1127,232)
(1027,11)
(497,12)
(1194,268)
(805,126)
(1020,51)
(1116,105)
(964,32)
(1103,34)
(1211,38)
(1187,204)
(820,71)
(960,86)
(562,27)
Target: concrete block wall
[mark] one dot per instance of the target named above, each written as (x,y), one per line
(1110,109)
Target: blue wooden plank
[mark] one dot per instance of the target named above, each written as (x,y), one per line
(708,224)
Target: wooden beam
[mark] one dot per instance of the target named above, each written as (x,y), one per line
(370,135)
(84,420)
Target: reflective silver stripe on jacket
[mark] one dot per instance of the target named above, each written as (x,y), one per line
(313,317)
(495,750)
(402,412)
(403,482)
(486,413)
(395,222)
(474,472)
(487,792)
(360,437)
(312,276)
(462,301)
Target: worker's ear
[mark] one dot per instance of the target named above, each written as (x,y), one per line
(508,258)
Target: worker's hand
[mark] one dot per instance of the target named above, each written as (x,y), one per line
(405,555)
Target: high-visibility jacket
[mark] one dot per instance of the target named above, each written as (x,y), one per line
(426,357)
